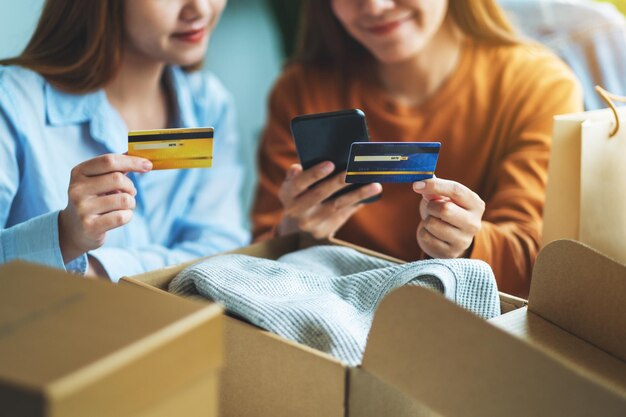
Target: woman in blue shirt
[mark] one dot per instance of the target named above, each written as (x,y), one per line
(92,71)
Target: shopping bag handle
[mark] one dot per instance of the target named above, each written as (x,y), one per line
(608,99)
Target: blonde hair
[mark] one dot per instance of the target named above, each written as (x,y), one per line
(333,47)
(483,20)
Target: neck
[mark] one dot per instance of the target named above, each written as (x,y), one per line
(137,93)
(413,81)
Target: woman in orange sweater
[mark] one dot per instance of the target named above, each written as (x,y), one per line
(439,70)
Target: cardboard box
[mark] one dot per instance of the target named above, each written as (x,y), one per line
(425,357)
(71,346)
(576,312)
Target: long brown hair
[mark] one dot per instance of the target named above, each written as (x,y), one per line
(77,44)
(325,43)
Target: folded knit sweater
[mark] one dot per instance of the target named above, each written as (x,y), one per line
(325,296)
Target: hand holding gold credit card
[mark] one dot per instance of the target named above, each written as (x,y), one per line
(173,148)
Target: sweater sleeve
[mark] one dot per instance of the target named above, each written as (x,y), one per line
(276,153)
(509,239)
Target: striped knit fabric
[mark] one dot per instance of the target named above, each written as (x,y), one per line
(325,296)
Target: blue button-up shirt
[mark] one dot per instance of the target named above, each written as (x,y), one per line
(180,214)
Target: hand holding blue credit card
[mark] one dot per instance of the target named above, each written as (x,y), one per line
(387,162)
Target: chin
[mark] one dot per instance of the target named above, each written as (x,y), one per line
(392,57)
(187,59)
(396,55)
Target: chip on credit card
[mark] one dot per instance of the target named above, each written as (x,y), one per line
(173,148)
(392,161)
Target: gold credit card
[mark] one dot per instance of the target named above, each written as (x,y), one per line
(173,148)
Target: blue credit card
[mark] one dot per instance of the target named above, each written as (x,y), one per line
(392,161)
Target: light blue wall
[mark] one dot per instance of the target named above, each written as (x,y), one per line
(17,21)
(244,53)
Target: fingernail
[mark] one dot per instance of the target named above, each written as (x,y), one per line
(147,165)
(377,187)
(291,172)
(327,168)
(419,185)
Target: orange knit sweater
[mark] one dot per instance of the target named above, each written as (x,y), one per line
(493,117)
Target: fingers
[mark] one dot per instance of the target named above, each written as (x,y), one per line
(458,193)
(451,217)
(299,181)
(354,197)
(307,208)
(326,221)
(423,209)
(432,245)
(95,216)
(315,196)
(79,233)
(441,240)
(107,203)
(293,170)
(100,198)
(443,231)
(450,213)
(96,226)
(115,219)
(104,184)
(109,163)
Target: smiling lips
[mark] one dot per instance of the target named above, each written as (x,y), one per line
(388,27)
(192,36)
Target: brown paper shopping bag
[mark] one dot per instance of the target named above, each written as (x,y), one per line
(586,191)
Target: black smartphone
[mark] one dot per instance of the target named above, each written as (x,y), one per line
(327,137)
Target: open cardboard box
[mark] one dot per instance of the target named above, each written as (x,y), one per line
(425,357)
(73,347)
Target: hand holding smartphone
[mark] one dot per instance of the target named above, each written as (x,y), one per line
(328,137)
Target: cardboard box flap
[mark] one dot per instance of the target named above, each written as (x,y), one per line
(583,292)
(563,346)
(57,328)
(460,365)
